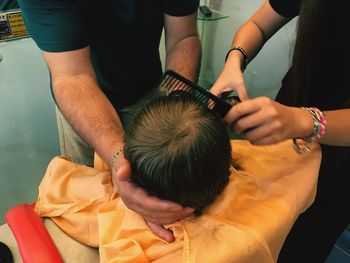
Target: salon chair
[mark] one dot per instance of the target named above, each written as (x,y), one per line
(41,241)
(34,241)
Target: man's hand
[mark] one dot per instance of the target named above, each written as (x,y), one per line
(155,211)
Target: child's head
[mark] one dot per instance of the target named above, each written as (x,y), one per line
(179,150)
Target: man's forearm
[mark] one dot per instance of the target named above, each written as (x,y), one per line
(90,113)
(184,57)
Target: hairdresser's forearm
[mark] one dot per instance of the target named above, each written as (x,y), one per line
(259,28)
(90,113)
(338,128)
(248,37)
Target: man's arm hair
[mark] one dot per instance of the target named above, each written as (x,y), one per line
(82,102)
(182,45)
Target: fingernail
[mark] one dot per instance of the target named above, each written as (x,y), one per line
(189,210)
(170,239)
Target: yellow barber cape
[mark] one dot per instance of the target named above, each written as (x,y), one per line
(248,222)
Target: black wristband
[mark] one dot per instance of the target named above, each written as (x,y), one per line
(243,52)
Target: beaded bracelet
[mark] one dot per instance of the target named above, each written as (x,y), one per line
(243,52)
(116,156)
(318,130)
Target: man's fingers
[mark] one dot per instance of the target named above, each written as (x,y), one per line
(164,218)
(149,206)
(152,207)
(153,204)
(161,205)
(137,195)
(160,231)
(138,200)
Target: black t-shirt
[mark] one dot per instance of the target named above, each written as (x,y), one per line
(331,90)
(123,36)
(286,8)
(330,66)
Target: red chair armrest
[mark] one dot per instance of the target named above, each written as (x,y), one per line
(33,239)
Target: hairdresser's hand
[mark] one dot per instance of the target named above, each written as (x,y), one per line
(155,211)
(230,79)
(264,121)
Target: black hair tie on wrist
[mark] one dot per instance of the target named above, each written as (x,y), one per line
(243,52)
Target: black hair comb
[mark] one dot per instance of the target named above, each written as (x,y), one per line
(173,84)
